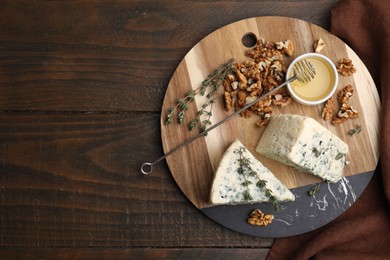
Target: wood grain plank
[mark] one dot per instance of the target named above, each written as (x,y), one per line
(87,56)
(137,253)
(75,181)
(78,81)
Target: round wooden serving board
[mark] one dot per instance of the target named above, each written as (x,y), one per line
(193,166)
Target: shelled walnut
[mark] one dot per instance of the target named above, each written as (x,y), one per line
(260,73)
(346,112)
(282,99)
(345,67)
(329,108)
(345,94)
(318,45)
(258,218)
(229,100)
(287,47)
(263,109)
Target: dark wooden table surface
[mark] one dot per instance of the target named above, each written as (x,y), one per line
(81,89)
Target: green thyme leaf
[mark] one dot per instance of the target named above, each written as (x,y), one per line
(192,124)
(202,128)
(246,183)
(169,116)
(168,119)
(276,204)
(268,193)
(314,190)
(261,183)
(252,173)
(182,105)
(339,156)
(191,95)
(203,88)
(355,130)
(206,122)
(247,195)
(180,117)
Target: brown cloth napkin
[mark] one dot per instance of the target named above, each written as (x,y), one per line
(363,231)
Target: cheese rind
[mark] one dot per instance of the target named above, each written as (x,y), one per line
(304,144)
(230,186)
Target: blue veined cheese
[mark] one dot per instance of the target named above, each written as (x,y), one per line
(234,184)
(304,144)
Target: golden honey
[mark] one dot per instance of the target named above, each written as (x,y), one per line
(319,87)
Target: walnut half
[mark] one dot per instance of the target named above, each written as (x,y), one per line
(346,112)
(286,46)
(318,45)
(327,111)
(346,67)
(229,100)
(258,218)
(345,94)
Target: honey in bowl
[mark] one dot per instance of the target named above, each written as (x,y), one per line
(321,87)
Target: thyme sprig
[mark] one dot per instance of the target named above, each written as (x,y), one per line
(246,169)
(356,130)
(208,87)
(314,190)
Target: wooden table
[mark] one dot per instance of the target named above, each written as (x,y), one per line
(81,89)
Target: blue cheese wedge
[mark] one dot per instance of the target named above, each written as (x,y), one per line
(236,184)
(304,144)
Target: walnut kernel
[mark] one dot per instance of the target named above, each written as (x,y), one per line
(318,45)
(346,112)
(327,111)
(258,218)
(345,94)
(287,47)
(229,100)
(256,76)
(345,67)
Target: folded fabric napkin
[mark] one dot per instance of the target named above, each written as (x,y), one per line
(363,230)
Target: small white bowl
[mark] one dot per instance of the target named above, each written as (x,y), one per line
(321,87)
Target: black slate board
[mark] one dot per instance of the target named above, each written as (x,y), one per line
(304,214)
